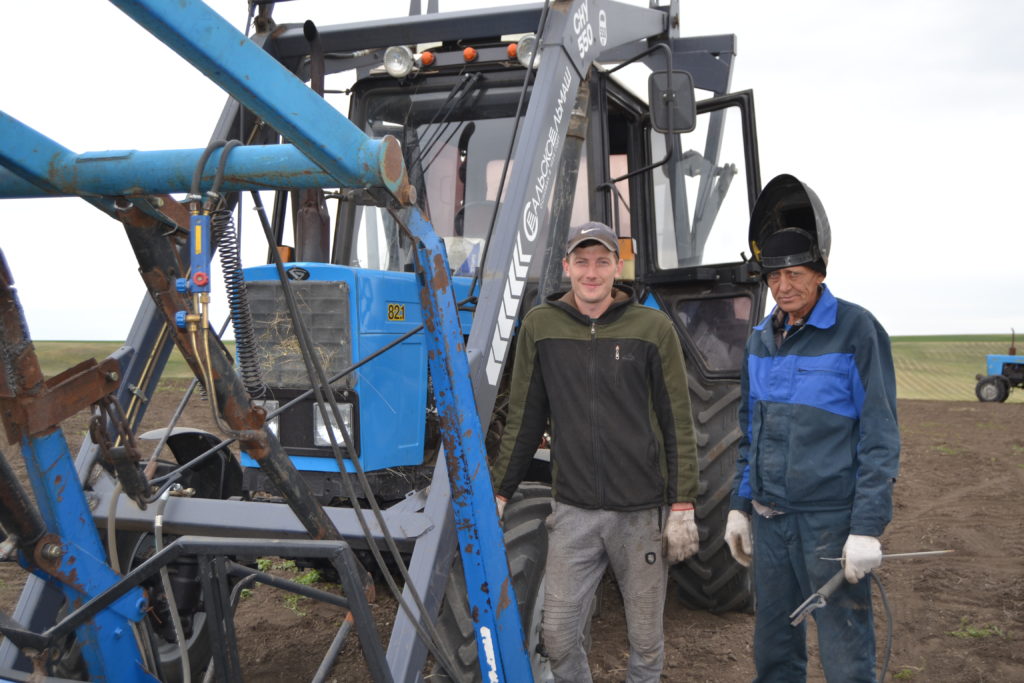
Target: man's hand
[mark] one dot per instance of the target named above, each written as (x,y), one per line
(681,539)
(500,502)
(861,554)
(737,535)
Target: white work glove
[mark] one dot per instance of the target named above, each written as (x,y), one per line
(681,539)
(861,554)
(737,535)
(500,502)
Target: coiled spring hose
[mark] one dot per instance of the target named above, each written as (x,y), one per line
(226,240)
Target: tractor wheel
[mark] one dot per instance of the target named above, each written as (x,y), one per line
(134,549)
(526,542)
(712,580)
(218,478)
(992,389)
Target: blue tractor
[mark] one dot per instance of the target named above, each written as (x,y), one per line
(403,244)
(1003,373)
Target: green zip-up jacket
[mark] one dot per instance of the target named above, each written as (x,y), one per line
(615,391)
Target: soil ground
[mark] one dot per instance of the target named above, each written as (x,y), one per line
(956,618)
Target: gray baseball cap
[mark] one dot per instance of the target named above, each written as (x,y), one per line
(592,231)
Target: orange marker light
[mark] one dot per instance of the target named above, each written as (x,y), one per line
(427,58)
(469,54)
(513,50)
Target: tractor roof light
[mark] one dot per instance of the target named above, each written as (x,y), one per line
(398,61)
(525,48)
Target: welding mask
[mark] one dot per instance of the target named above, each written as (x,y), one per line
(788,227)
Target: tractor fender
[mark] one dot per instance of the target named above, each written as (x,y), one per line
(219,476)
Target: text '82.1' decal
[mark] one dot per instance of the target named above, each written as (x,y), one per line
(396,312)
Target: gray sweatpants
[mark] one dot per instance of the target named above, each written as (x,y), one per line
(581,544)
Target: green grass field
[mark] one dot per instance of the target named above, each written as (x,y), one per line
(944,368)
(57,356)
(940,368)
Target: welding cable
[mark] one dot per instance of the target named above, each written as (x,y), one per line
(319,381)
(165,581)
(511,143)
(152,462)
(888,627)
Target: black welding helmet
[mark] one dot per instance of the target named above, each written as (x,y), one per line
(788,227)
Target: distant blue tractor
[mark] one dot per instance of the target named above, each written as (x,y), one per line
(1003,373)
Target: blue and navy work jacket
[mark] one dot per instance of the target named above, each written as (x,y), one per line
(818,417)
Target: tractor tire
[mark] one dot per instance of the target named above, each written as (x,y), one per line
(134,549)
(712,580)
(992,389)
(218,478)
(526,543)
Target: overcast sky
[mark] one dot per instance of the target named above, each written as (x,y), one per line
(903,115)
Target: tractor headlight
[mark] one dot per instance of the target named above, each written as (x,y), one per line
(525,48)
(398,61)
(270,406)
(320,435)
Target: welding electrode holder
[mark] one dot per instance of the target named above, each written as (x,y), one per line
(818,598)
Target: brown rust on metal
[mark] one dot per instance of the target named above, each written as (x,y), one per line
(46,561)
(454,465)
(52,566)
(61,397)
(503,597)
(393,171)
(440,282)
(21,373)
(30,406)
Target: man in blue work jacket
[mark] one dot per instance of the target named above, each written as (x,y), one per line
(819,449)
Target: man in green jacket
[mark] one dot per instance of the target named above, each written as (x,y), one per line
(609,375)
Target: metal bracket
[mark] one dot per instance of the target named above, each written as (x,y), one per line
(60,397)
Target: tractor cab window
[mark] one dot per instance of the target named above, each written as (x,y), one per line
(701,199)
(455,135)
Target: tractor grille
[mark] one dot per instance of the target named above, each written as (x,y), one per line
(324,309)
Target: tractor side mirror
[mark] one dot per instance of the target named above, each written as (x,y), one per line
(672,101)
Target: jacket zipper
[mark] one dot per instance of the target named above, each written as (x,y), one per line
(593,411)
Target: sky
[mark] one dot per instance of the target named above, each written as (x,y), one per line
(904,116)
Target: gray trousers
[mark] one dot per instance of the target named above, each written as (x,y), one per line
(581,544)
